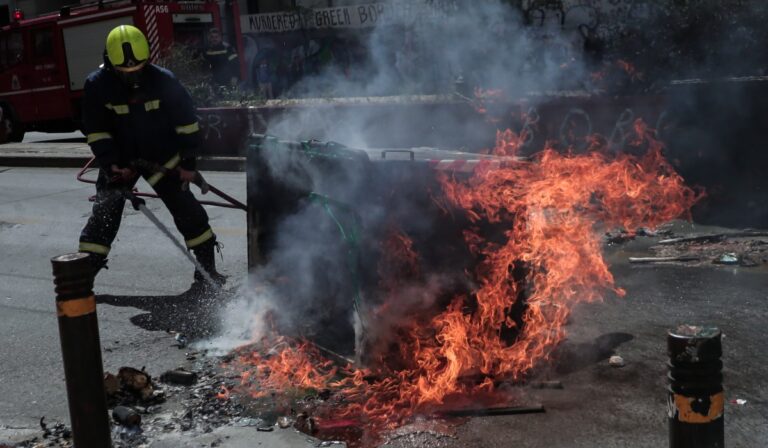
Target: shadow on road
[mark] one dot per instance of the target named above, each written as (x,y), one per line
(573,357)
(195,318)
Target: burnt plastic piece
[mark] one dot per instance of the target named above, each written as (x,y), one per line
(178,376)
(126,416)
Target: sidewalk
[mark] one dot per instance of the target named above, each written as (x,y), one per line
(75,154)
(45,154)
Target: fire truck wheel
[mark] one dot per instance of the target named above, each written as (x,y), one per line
(10,128)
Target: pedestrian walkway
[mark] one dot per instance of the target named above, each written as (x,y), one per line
(75,154)
(45,154)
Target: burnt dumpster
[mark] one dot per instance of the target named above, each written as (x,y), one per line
(335,228)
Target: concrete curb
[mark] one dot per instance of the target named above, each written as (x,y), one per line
(43,162)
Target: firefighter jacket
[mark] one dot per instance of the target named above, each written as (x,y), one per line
(222,60)
(155,121)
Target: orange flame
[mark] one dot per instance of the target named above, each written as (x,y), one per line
(483,98)
(284,367)
(553,211)
(223,393)
(630,70)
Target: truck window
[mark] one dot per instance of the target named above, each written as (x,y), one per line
(3,53)
(11,49)
(43,43)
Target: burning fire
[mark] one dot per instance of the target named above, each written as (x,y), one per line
(622,66)
(551,213)
(485,99)
(630,70)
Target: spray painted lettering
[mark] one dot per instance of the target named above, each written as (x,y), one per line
(211,124)
(621,130)
(576,129)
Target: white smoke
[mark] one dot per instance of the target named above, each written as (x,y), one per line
(244,319)
(483,45)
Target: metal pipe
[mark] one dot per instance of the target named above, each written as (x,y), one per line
(696,400)
(81,350)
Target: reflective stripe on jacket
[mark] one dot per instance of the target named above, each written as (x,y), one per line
(153,122)
(223,62)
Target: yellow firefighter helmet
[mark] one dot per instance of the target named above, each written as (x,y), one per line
(127,48)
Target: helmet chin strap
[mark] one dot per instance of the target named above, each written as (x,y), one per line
(130,79)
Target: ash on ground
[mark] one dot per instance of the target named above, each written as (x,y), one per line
(164,408)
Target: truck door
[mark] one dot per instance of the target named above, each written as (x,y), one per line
(51,96)
(16,81)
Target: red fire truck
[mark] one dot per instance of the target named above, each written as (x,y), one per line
(44,61)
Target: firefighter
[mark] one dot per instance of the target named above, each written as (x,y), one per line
(136,114)
(221,59)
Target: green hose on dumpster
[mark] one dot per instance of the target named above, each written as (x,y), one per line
(351,237)
(350,234)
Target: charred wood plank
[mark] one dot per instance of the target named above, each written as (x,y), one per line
(713,237)
(648,260)
(505,410)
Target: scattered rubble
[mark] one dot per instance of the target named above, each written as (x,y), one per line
(622,236)
(747,248)
(57,435)
(422,431)
(504,410)
(126,416)
(131,387)
(199,407)
(136,382)
(729,258)
(647,260)
(714,237)
(179,376)
(181,340)
(616,361)
(285,422)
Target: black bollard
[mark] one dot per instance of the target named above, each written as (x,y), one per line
(81,350)
(696,400)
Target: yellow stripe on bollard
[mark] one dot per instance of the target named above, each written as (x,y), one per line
(76,307)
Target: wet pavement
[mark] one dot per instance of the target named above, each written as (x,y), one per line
(42,211)
(41,214)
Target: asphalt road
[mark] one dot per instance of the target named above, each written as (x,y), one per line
(43,210)
(41,214)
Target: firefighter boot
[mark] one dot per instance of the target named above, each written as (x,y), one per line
(98,262)
(205,255)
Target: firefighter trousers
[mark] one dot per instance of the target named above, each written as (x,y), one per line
(100,231)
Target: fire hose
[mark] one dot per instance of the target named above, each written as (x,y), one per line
(349,234)
(140,205)
(156,168)
(135,198)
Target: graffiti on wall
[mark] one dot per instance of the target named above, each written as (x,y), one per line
(614,24)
